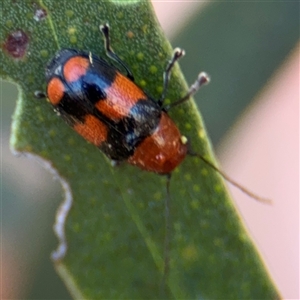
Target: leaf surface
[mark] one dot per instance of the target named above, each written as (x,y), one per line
(115,230)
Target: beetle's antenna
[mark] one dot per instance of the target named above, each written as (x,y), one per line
(226,177)
(202,80)
(109,51)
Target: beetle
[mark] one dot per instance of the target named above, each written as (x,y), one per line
(109,110)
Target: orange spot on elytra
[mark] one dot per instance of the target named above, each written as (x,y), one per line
(92,129)
(55,90)
(121,96)
(75,67)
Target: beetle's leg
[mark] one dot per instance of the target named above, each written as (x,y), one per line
(168,233)
(110,53)
(39,94)
(116,163)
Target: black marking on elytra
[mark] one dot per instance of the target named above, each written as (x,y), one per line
(124,136)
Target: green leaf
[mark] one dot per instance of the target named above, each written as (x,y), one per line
(115,230)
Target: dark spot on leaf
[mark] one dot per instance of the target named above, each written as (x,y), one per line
(16,43)
(40,14)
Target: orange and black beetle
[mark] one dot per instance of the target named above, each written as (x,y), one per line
(109,110)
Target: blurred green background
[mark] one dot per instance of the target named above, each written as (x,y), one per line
(239,44)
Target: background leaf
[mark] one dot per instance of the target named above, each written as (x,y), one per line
(216,239)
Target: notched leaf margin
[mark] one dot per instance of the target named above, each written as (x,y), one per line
(64,208)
